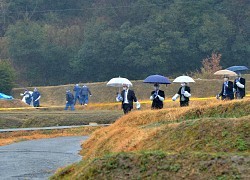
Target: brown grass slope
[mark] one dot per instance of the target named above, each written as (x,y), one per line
(37,118)
(12,103)
(203,142)
(214,128)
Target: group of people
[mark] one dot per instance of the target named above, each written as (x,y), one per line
(31,98)
(127,97)
(81,94)
(229,91)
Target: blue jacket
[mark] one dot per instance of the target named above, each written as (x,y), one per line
(69,97)
(84,91)
(35,95)
(77,90)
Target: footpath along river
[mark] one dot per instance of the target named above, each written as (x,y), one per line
(38,159)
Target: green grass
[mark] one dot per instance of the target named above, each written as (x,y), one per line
(157,165)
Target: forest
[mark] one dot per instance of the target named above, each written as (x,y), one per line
(52,42)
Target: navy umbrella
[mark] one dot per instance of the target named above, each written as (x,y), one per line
(237,68)
(157,79)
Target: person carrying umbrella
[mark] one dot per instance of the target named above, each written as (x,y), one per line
(157,97)
(239,87)
(27,97)
(239,82)
(227,92)
(127,97)
(184,94)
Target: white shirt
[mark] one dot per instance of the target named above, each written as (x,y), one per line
(125,97)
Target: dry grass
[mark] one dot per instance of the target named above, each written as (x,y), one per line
(12,103)
(40,118)
(12,137)
(140,130)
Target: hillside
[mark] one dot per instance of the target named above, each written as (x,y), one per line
(210,141)
(55,95)
(61,41)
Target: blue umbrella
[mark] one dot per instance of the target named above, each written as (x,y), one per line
(237,68)
(157,79)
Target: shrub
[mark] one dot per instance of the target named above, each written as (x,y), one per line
(7,76)
(209,66)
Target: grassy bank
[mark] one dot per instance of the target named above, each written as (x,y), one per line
(160,165)
(40,118)
(210,141)
(13,137)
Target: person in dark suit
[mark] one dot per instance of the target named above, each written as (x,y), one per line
(239,86)
(227,92)
(127,97)
(184,93)
(157,97)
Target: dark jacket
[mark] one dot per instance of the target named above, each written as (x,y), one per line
(182,97)
(229,90)
(241,91)
(69,97)
(157,103)
(131,97)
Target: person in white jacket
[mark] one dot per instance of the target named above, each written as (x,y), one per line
(184,93)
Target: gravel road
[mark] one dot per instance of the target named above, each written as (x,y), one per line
(38,159)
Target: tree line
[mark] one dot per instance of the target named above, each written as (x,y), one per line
(51,42)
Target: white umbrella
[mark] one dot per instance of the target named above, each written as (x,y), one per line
(182,79)
(118,82)
(225,72)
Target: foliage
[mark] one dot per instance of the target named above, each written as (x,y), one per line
(209,66)
(7,76)
(63,41)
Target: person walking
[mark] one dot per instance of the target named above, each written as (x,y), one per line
(127,97)
(157,97)
(36,97)
(184,93)
(27,97)
(84,95)
(77,90)
(69,101)
(239,87)
(227,92)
